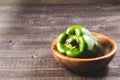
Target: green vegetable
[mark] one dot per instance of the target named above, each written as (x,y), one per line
(77,41)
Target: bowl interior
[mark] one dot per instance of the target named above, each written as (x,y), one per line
(105,46)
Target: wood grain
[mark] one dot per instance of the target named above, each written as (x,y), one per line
(58,1)
(26,33)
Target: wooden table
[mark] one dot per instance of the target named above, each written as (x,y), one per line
(26,33)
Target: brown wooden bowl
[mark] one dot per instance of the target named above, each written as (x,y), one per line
(88,65)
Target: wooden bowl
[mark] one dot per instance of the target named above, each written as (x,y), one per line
(87,65)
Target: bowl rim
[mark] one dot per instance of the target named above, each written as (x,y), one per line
(112,52)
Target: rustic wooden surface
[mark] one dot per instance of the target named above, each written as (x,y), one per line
(59,2)
(26,33)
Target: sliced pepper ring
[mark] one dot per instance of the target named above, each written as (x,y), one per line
(79,45)
(77,52)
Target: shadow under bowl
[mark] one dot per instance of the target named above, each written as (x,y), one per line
(88,65)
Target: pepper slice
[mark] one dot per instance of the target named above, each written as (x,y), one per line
(71,43)
(77,41)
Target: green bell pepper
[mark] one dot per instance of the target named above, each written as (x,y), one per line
(76,41)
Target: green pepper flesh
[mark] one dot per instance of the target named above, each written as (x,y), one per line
(75,41)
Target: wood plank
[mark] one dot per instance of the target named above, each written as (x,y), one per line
(13,2)
(53,72)
(50,19)
(65,8)
(38,32)
(28,63)
(40,62)
(30,53)
(61,78)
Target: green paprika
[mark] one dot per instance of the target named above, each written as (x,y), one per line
(75,41)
